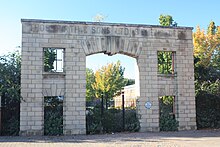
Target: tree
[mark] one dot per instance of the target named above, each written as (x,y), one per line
(207,56)
(109,80)
(129,81)
(166,20)
(49,58)
(211,28)
(10,73)
(207,73)
(207,53)
(207,45)
(90,79)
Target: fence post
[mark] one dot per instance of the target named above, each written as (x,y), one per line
(106,101)
(102,107)
(123,111)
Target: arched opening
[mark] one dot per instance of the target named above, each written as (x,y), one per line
(108,111)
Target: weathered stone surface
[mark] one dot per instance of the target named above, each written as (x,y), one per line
(80,39)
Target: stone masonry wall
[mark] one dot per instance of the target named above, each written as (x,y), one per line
(80,39)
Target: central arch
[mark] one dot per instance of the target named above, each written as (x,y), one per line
(80,39)
(111,45)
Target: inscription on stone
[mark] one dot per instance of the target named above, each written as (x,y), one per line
(85,30)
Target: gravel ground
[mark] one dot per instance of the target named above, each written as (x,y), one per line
(201,138)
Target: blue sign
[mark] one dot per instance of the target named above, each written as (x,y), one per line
(148,105)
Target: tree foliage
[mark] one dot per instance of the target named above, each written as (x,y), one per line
(129,81)
(109,80)
(207,75)
(165,62)
(207,53)
(49,58)
(90,79)
(10,66)
(167,20)
(207,46)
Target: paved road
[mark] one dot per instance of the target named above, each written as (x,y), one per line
(163,139)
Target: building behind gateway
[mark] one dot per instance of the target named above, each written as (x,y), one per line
(73,41)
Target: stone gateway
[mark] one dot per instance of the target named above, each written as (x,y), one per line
(76,40)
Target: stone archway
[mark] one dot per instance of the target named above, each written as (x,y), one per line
(79,39)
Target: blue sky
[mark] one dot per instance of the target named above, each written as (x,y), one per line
(185,13)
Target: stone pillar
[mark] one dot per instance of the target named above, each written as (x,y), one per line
(74,101)
(149,118)
(31,110)
(186,90)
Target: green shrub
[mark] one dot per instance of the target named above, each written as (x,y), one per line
(93,121)
(10,117)
(168,123)
(207,110)
(10,74)
(167,120)
(53,116)
(53,124)
(132,123)
(111,121)
(11,127)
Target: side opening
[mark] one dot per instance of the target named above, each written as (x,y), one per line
(53,115)
(168,120)
(53,59)
(166,64)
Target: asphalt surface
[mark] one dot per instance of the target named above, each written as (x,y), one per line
(199,138)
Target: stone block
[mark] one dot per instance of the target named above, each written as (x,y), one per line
(35,127)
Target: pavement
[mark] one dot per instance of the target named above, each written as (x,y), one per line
(198,138)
